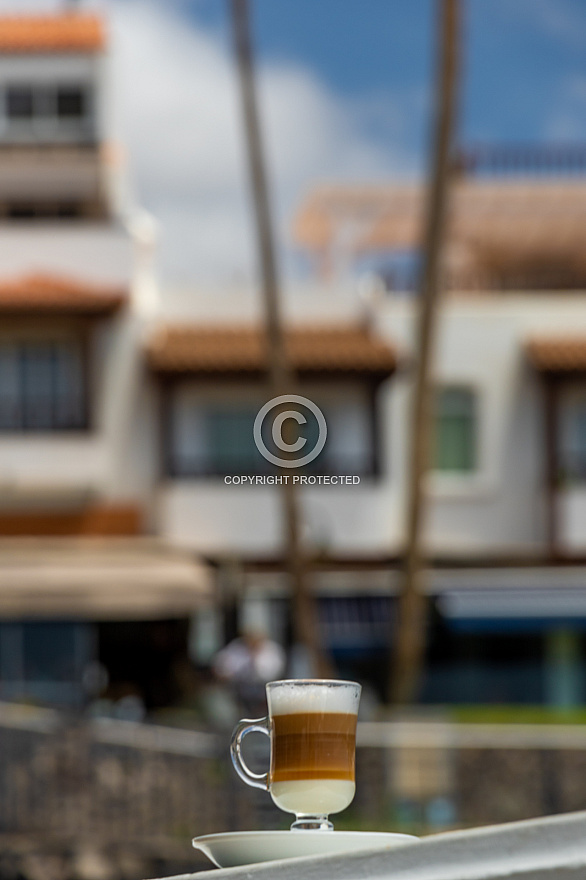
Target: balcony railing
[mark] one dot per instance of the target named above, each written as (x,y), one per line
(516,160)
(539,280)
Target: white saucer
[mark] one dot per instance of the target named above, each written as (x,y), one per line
(249,847)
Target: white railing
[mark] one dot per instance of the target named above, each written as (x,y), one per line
(449,735)
(553,848)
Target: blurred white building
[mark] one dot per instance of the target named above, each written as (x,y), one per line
(123,411)
(77,553)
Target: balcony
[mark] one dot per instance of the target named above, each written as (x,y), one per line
(65,172)
(100,252)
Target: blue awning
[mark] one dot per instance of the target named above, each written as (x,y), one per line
(513,609)
(355,622)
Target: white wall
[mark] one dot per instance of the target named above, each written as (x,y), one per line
(500,508)
(481,343)
(98,253)
(571,508)
(209,515)
(238,303)
(118,457)
(214,518)
(115,459)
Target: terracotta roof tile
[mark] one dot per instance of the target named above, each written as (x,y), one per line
(517,215)
(67,32)
(237,349)
(558,354)
(48,293)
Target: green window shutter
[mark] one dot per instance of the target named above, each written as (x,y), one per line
(455,430)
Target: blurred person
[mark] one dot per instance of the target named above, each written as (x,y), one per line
(246,664)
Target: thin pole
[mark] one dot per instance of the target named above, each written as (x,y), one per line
(409,648)
(281,377)
(552,465)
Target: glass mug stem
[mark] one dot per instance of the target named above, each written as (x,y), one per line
(311,823)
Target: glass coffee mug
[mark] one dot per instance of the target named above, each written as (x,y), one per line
(312,728)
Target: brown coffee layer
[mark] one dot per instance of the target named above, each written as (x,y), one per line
(313,745)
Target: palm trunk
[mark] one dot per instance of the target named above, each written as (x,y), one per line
(409,648)
(281,376)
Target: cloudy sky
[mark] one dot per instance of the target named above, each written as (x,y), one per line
(344,88)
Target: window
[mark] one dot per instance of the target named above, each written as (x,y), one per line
(573,436)
(351,444)
(44,660)
(230,441)
(71,103)
(212,438)
(65,210)
(19,102)
(455,430)
(41,386)
(22,211)
(45,111)
(214,435)
(44,210)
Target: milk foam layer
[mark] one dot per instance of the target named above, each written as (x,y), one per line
(313,796)
(290,698)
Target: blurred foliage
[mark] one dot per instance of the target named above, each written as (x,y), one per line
(516,714)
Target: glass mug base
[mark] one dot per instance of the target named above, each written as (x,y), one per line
(315,797)
(312,823)
(312,728)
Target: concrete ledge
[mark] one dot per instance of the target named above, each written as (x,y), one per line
(553,848)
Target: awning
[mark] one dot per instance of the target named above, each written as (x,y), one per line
(99,579)
(558,354)
(58,295)
(500,604)
(209,351)
(513,600)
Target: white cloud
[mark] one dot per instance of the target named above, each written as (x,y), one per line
(557,19)
(566,119)
(560,20)
(180,117)
(10,6)
(22,7)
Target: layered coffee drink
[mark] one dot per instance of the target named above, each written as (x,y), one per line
(313,731)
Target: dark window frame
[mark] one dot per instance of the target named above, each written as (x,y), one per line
(168,387)
(473,454)
(55,109)
(24,676)
(570,466)
(25,425)
(77,96)
(26,211)
(23,94)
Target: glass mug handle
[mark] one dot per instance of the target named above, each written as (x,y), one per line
(247,725)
